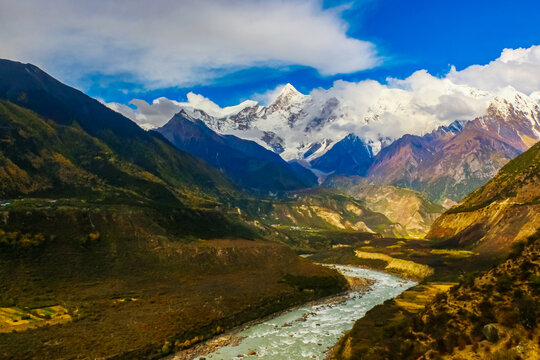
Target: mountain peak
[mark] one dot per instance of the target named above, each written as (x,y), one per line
(287,93)
(289,89)
(351,137)
(287,96)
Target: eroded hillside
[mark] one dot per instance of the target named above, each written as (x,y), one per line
(505,210)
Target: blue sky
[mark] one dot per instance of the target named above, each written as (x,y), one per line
(410,35)
(406,36)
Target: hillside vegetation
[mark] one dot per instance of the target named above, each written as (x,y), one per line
(491,316)
(115,244)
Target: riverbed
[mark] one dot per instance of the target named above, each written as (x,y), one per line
(309,331)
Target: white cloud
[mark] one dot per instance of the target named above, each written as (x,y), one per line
(170,42)
(519,68)
(266,97)
(148,116)
(162,109)
(414,105)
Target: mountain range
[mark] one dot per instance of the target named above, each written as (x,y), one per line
(183,229)
(247,163)
(445,163)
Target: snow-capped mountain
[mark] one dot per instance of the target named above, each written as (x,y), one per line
(294,125)
(331,134)
(247,163)
(452,161)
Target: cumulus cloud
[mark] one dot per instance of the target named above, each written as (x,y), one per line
(178,42)
(154,115)
(378,112)
(414,105)
(519,68)
(148,116)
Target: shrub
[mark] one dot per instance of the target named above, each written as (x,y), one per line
(534,282)
(517,249)
(467,280)
(450,341)
(94,236)
(528,312)
(16,239)
(166,348)
(441,296)
(486,312)
(509,317)
(90,239)
(504,283)
(505,354)
(534,237)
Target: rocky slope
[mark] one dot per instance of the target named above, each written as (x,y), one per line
(452,161)
(505,210)
(406,207)
(325,209)
(350,156)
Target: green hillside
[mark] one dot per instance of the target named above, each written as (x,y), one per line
(114,244)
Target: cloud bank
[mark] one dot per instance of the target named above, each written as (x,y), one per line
(414,105)
(165,43)
(519,68)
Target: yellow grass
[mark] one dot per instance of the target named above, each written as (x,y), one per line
(341,246)
(417,298)
(406,267)
(11,319)
(453,253)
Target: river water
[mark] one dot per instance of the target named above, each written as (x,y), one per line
(307,332)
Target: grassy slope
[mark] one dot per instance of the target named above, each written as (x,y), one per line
(491,219)
(184,287)
(504,210)
(180,291)
(46,158)
(407,207)
(311,220)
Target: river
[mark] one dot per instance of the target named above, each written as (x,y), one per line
(308,331)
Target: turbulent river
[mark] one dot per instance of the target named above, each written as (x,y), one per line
(307,332)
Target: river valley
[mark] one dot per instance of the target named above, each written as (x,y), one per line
(309,331)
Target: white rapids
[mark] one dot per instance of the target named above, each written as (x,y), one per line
(308,332)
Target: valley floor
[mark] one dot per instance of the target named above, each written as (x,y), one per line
(159,308)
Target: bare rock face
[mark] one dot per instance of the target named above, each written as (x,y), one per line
(491,332)
(452,161)
(503,211)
